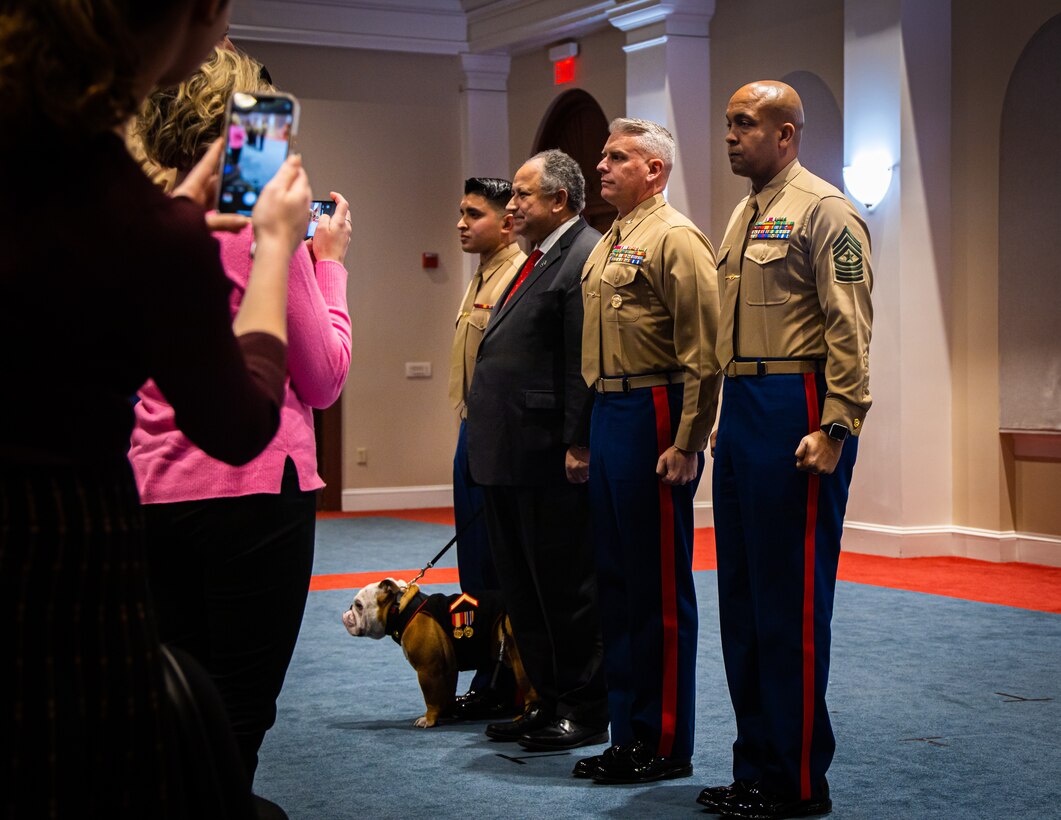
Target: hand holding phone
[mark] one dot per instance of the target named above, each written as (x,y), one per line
(317,209)
(281,214)
(258,133)
(332,238)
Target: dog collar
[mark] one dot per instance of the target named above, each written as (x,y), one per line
(398,619)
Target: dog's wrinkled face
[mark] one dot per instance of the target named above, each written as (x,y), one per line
(367,615)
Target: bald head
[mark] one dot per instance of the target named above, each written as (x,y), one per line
(776,100)
(765,122)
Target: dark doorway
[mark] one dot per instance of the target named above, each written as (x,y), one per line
(577,126)
(328,428)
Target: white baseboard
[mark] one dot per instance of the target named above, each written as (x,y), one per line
(870,539)
(703,514)
(961,542)
(368,499)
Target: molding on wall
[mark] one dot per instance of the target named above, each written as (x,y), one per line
(417,26)
(962,542)
(367,499)
(703,514)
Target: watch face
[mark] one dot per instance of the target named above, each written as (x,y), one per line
(837,431)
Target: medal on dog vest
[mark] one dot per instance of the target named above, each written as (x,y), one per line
(462,614)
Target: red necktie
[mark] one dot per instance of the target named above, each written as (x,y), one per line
(528,266)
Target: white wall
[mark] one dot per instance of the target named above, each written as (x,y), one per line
(383,128)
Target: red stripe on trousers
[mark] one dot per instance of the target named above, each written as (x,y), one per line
(669,717)
(813,424)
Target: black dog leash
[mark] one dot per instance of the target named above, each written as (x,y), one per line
(449,544)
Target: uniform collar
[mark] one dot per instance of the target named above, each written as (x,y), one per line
(498,261)
(628,223)
(774,186)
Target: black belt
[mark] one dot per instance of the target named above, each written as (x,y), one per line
(624,384)
(766,367)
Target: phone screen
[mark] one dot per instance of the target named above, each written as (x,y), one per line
(257,140)
(317,208)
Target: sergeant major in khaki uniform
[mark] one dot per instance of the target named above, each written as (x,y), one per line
(486,229)
(794,275)
(651,313)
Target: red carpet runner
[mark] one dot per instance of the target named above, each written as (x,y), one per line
(1025,586)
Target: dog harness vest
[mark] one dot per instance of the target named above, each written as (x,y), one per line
(473,618)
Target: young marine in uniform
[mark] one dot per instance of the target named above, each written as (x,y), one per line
(486,229)
(651,315)
(794,277)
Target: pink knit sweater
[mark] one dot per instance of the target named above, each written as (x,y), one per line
(170,468)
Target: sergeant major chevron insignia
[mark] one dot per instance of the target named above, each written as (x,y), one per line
(847,259)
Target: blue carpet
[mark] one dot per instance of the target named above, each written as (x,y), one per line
(942,708)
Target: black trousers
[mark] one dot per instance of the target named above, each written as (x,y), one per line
(540,541)
(229,577)
(83,725)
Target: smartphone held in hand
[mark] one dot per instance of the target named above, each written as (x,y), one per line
(317,208)
(258,133)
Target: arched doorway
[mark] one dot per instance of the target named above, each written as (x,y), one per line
(1029,288)
(577,126)
(821,150)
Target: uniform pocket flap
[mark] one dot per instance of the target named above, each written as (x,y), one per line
(479,318)
(619,275)
(763,253)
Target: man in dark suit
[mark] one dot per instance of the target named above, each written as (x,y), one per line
(528,436)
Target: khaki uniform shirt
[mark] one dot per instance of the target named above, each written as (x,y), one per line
(483,290)
(651,300)
(795,284)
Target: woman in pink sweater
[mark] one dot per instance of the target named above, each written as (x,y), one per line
(230,549)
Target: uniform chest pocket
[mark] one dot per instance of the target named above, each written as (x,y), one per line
(478,318)
(621,293)
(764,274)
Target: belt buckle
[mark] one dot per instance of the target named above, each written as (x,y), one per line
(760,368)
(626,384)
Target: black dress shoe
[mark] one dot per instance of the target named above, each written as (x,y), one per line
(484,704)
(759,802)
(714,797)
(535,717)
(637,764)
(587,766)
(562,734)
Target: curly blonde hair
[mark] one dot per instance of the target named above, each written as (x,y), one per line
(175,126)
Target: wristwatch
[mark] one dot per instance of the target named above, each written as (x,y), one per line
(836,431)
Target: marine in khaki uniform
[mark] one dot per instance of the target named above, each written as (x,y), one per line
(795,276)
(486,229)
(651,316)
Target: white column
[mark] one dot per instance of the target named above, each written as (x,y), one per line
(484,115)
(897,99)
(668,80)
(668,75)
(484,123)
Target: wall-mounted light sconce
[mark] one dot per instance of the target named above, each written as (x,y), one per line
(869,176)
(563,57)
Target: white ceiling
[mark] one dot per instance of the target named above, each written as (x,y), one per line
(428,26)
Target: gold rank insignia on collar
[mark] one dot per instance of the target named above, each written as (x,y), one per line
(772,228)
(628,254)
(847,259)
